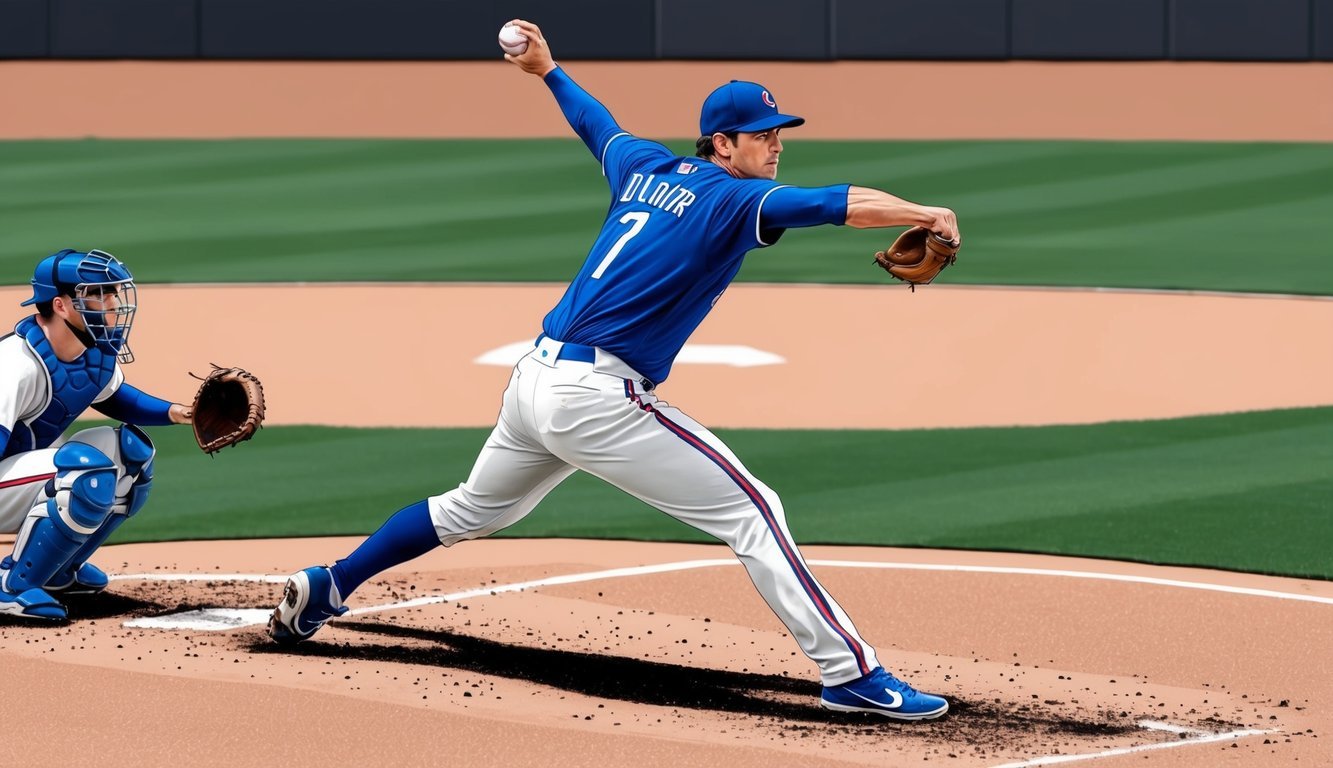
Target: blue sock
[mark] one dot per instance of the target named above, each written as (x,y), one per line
(406,535)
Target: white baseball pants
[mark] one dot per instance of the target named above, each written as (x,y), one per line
(560,415)
(24,475)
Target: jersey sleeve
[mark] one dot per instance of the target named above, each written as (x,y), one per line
(613,147)
(22,386)
(787,207)
(760,211)
(133,406)
(590,120)
(11,397)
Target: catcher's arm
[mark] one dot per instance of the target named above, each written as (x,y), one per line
(134,406)
(868,208)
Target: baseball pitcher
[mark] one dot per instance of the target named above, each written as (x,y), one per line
(584,398)
(64,498)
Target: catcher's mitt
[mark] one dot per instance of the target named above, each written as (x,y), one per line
(228,408)
(917,256)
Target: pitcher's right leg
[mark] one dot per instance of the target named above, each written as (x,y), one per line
(670,461)
(510,476)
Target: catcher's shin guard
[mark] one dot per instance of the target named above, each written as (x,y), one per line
(136,452)
(78,504)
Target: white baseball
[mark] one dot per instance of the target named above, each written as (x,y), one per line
(512,40)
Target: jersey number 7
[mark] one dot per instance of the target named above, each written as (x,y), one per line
(639,218)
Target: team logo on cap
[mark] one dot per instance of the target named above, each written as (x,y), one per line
(768,100)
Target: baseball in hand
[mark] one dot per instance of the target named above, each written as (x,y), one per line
(512,40)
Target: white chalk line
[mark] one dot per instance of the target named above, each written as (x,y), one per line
(221,619)
(692,564)
(1079,575)
(1197,737)
(573,578)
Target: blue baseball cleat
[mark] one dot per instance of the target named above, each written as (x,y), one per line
(883,694)
(87,579)
(32,604)
(308,601)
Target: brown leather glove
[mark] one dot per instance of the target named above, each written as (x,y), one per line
(917,256)
(228,408)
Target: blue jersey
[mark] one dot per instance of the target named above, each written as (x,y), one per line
(674,237)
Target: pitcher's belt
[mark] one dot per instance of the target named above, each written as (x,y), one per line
(583,353)
(579,352)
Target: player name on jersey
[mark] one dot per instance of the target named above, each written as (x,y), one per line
(671,198)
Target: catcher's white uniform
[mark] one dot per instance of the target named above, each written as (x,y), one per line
(25,393)
(63,499)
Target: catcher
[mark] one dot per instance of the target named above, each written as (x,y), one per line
(63,499)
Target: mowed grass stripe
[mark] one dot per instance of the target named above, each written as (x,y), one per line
(1112,214)
(1244,492)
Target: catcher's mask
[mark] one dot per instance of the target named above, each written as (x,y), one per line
(103,293)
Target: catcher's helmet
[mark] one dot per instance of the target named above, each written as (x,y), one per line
(98,277)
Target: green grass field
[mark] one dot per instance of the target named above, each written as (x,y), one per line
(1249,217)
(1245,492)
(1248,492)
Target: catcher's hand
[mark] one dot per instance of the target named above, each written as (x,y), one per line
(917,256)
(228,408)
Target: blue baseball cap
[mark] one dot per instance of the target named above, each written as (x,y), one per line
(744,107)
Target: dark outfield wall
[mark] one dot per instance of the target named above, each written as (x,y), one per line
(1273,30)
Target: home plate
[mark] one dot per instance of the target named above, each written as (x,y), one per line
(205,619)
(735,355)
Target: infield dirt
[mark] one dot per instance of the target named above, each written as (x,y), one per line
(680,668)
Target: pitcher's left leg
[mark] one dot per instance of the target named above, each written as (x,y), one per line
(668,460)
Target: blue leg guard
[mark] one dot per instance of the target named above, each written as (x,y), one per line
(78,576)
(80,499)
